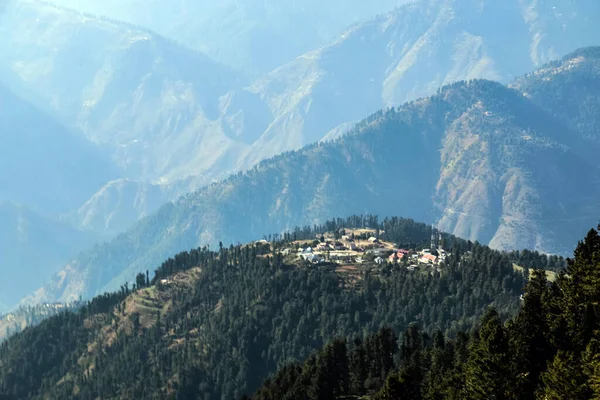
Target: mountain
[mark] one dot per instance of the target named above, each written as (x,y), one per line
(45,165)
(254,37)
(32,249)
(168,114)
(415,49)
(481,159)
(214,324)
(144,98)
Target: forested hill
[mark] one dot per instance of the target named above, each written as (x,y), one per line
(479,158)
(549,350)
(214,323)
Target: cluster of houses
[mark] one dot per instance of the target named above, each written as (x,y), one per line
(346,243)
(425,256)
(347,250)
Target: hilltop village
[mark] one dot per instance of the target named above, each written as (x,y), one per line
(354,252)
(363,246)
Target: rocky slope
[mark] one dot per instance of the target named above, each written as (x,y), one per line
(481,159)
(415,49)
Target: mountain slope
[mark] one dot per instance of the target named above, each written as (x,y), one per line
(575,78)
(45,165)
(32,249)
(478,157)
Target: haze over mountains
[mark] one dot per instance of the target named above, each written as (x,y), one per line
(168,114)
(252,36)
(40,244)
(44,165)
(132,131)
(155,118)
(484,160)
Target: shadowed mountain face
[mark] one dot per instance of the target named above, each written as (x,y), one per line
(485,161)
(32,249)
(43,164)
(47,168)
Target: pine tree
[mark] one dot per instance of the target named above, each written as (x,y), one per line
(529,344)
(440,364)
(565,378)
(358,368)
(582,292)
(488,373)
(394,389)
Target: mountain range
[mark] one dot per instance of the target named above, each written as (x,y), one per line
(252,37)
(152,119)
(134,130)
(166,114)
(484,161)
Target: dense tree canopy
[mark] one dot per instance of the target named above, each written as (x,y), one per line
(549,350)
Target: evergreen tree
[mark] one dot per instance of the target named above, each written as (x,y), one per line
(488,373)
(529,344)
(565,378)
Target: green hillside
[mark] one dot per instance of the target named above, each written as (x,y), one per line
(549,350)
(214,323)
